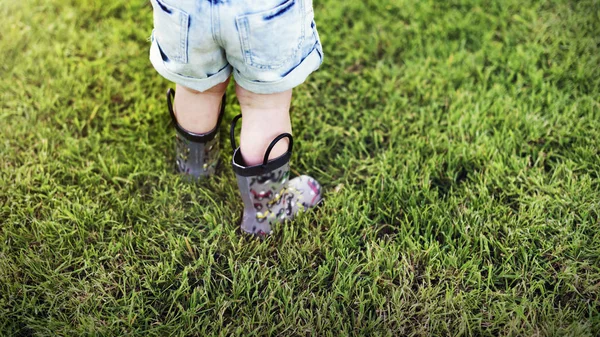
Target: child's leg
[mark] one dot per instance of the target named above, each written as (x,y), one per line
(265,116)
(197,111)
(269,196)
(195,115)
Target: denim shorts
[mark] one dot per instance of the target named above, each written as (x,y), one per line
(270,45)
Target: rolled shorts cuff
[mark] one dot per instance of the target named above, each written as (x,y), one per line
(291,80)
(199,84)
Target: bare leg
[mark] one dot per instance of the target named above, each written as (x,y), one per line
(197,111)
(264,118)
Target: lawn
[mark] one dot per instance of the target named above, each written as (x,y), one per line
(457,143)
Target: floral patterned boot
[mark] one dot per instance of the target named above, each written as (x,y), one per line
(197,154)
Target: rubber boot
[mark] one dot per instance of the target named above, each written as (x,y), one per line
(269,196)
(197,154)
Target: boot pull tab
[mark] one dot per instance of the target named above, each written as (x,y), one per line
(274,142)
(170,98)
(232,131)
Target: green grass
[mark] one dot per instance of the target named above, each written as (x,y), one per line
(457,142)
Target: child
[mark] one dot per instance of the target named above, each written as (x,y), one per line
(271,46)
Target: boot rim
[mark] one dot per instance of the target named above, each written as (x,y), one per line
(197,137)
(247,171)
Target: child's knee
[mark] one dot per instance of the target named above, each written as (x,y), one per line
(250,100)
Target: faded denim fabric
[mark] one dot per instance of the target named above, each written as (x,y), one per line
(270,45)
